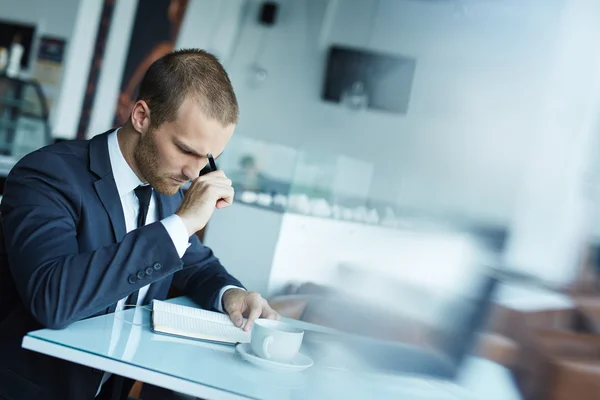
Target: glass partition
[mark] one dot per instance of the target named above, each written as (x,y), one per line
(304,181)
(312,182)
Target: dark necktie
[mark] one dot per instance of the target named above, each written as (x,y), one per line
(144,194)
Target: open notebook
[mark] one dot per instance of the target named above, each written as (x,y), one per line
(195,323)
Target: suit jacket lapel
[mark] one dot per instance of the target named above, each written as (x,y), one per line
(108,194)
(106,187)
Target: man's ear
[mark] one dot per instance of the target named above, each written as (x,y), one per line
(140,116)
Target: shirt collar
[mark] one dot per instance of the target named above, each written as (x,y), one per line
(125,179)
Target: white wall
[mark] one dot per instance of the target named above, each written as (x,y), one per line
(463,143)
(212,25)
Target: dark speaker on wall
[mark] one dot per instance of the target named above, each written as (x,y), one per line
(268,12)
(360,78)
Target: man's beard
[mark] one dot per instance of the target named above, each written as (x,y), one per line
(146,158)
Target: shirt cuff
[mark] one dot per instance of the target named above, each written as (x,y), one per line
(219,300)
(178,233)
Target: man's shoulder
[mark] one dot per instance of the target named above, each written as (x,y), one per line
(68,148)
(72,155)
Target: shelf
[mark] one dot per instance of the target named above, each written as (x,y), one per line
(23,116)
(25,96)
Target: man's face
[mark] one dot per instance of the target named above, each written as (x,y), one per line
(176,151)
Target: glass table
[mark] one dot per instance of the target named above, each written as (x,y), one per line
(123,344)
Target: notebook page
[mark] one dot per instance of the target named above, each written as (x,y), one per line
(194,322)
(186,311)
(199,328)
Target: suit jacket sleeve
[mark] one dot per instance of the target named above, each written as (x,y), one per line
(58,282)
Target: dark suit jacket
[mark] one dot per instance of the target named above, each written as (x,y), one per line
(67,257)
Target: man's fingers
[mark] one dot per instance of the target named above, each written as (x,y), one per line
(225,199)
(236,318)
(273,315)
(210,180)
(255,312)
(268,312)
(222,204)
(224,193)
(220,180)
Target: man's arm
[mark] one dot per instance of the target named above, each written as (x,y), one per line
(202,283)
(205,283)
(58,283)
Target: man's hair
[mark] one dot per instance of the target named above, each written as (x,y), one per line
(183,73)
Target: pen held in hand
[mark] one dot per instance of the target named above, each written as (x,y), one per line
(211,162)
(210,167)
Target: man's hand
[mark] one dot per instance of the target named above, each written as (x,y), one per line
(205,193)
(239,303)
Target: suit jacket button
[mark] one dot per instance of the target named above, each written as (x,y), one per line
(157,266)
(149,271)
(141,275)
(132,279)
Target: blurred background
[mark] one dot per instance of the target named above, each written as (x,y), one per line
(389,153)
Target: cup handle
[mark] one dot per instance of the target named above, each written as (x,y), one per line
(265,345)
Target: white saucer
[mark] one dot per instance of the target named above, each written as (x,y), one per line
(298,363)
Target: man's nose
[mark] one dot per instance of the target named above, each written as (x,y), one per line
(195,169)
(190,172)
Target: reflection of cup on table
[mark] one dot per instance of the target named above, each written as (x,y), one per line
(275,340)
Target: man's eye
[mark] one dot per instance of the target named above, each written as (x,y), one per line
(184,151)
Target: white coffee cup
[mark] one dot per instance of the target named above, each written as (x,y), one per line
(275,340)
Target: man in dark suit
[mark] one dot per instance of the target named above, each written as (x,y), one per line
(90,226)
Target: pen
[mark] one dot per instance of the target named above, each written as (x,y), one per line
(211,162)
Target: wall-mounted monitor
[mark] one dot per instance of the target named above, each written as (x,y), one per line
(365,79)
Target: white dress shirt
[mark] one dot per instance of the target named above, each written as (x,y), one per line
(126,181)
